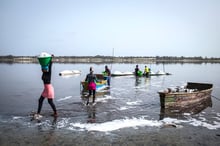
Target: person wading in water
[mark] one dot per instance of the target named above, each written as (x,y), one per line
(48,91)
(91,79)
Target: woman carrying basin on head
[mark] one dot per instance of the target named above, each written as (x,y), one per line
(48,91)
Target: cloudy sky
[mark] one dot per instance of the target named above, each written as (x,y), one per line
(95,27)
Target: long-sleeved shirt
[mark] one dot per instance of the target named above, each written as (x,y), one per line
(91,78)
(46,76)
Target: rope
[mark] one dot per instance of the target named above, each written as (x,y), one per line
(216,97)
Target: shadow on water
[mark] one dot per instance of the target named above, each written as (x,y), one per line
(91,110)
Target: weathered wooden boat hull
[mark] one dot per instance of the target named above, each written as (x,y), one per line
(183,100)
(175,112)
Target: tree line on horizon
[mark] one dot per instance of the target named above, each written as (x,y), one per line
(156,57)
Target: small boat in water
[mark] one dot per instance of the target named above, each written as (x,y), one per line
(69,72)
(187,97)
(119,73)
(100,86)
(158,73)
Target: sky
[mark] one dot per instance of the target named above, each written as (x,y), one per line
(94,27)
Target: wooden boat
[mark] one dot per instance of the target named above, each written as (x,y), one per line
(100,86)
(186,97)
(180,112)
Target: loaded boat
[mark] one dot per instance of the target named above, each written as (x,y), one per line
(188,97)
(100,85)
(127,73)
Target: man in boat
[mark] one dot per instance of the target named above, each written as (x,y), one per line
(146,71)
(91,79)
(107,74)
(136,70)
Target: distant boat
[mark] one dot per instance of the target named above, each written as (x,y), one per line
(69,72)
(119,73)
(182,98)
(127,73)
(158,73)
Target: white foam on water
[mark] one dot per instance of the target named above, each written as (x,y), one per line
(105,98)
(214,126)
(134,102)
(17,117)
(120,123)
(194,122)
(217,118)
(202,118)
(63,122)
(172,120)
(117,124)
(123,108)
(65,98)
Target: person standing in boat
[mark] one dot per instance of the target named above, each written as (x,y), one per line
(136,70)
(91,79)
(146,71)
(48,91)
(108,74)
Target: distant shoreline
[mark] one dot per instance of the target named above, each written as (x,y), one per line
(110,59)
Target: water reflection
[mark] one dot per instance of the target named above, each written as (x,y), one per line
(91,110)
(178,112)
(137,81)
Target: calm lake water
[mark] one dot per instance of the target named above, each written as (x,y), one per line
(128,113)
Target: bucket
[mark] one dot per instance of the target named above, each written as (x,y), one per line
(139,73)
(44,59)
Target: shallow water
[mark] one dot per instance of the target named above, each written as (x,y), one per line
(128,113)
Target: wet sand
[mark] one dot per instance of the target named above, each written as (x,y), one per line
(196,136)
